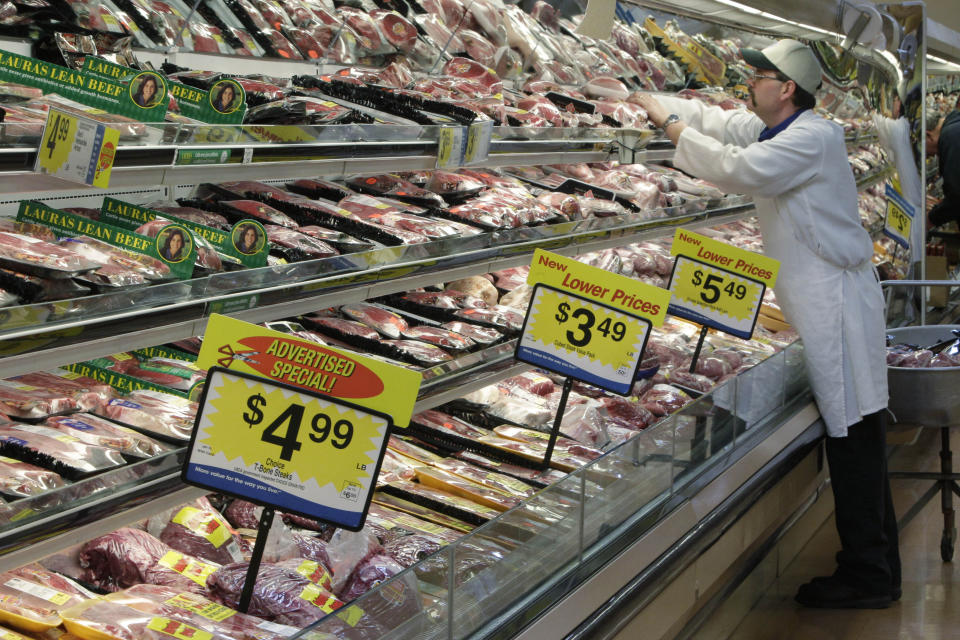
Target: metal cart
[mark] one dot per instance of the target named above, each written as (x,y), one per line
(928,398)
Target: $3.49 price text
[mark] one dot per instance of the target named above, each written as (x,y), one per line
(284,430)
(586,321)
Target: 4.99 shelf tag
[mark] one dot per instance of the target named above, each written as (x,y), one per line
(77,149)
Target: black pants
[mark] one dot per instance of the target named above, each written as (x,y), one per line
(869,554)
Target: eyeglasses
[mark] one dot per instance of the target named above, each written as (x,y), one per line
(754,76)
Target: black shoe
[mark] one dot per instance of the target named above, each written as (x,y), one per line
(895,592)
(832,593)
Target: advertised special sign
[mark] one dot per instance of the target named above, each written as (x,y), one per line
(586,323)
(77,149)
(280,357)
(717,285)
(280,446)
(173,244)
(899,218)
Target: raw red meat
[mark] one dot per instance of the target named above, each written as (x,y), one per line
(510,279)
(258,211)
(411,549)
(243,514)
(663,399)
(202,532)
(366,30)
(23,253)
(396,29)
(627,414)
(453,184)
(443,422)
(533,382)
(387,323)
(280,594)
(20,479)
(154,411)
(689,380)
(97,431)
(207,257)
(87,392)
(473,70)
(387,184)
(419,353)
(713,367)
(38,575)
(478,47)
(66,455)
(104,619)
(440,337)
(309,246)
(127,557)
(441,35)
(200,612)
(480,335)
(343,329)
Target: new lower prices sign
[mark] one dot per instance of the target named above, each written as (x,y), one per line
(718,285)
(586,323)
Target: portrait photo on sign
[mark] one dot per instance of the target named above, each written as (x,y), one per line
(174,244)
(225,96)
(248,238)
(147,90)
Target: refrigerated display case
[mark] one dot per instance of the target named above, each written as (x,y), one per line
(609,504)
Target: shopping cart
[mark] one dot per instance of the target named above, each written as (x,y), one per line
(928,398)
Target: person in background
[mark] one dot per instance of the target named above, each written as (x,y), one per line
(894,134)
(794,164)
(944,141)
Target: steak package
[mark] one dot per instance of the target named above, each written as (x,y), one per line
(127,557)
(158,413)
(54,450)
(26,401)
(103,619)
(20,479)
(198,530)
(93,430)
(88,393)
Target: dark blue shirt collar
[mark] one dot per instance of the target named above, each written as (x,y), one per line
(768,133)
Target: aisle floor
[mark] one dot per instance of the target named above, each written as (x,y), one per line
(930,606)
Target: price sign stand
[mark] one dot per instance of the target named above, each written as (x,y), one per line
(586,340)
(329,455)
(263,531)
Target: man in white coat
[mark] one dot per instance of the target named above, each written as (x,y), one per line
(794,164)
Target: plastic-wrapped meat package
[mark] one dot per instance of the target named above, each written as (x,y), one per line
(420,354)
(510,279)
(304,247)
(127,557)
(243,514)
(192,214)
(181,375)
(440,337)
(478,47)
(535,453)
(431,301)
(399,600)
(663,399)
(87,392)
(713,367)
(628,414)
(485,215)
(93,430)
(103,619)
(198,530)
(443,422)
(533,382)
(421,493)
(366,29)
(498,316)
(158,413)
(412,451)
(458,486)
(36,257)
(37,574)
(396,30)
(280,594)
(541,478)
(411,549)
(695,381)
(567,204)
(273,13)
(240,209)
(476,287)
(394,467)
(389,324)
(350,331)
(120,268)
(521,407)
(26,611)
(310,48)
(347,549)
(199,612)
(387,184)
(522,118)
(481,335)
(128,127)
(441,35)
(538,439)
(583,422)
(500,482)
(21,400)
(475,71)
(20,479)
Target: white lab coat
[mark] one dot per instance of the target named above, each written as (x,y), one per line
(806,201)
(895,139)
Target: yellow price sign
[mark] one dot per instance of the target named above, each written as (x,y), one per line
(449,147)
(897,223)
(583,339)
(77,149)
(177,629)
(715,297)
(281,446)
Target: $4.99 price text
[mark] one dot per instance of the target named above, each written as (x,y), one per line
(284,430)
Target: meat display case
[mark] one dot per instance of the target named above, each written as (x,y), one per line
(641,480)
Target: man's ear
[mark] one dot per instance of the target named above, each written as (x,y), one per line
(787,89)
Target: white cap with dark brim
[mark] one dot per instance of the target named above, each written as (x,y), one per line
(791,58)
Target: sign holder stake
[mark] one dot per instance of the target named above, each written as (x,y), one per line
(561,408)
(263,531)
(696,352)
